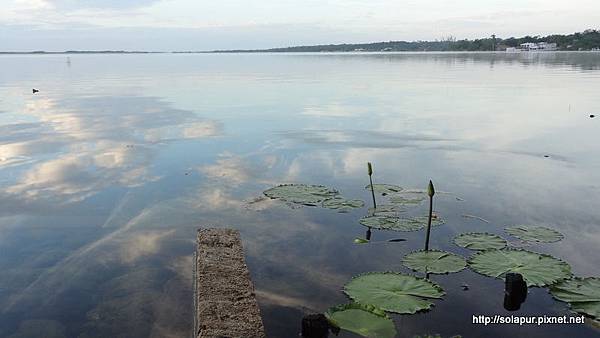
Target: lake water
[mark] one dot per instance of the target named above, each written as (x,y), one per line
(108,171)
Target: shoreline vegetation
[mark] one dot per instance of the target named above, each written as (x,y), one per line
(588,40)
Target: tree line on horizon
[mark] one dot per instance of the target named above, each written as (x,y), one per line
(586,40)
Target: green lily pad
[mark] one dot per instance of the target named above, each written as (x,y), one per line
(434,261)
(480,241)
(341,204)
(364,320)
(583,294)
(399,224)
(537,269)
(534,233)
(379,222)
(394,292)
(384,189)
(301,193)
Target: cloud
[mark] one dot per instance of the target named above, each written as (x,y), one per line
(232,24)
(99,4)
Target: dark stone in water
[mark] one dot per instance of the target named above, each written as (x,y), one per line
(515,291)
(315,326)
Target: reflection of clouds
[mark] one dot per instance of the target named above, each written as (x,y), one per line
(115,278)
(181,266)
(116,155)
(365,138)
(273,298)
(64,176)
(143,244)
(201,129)
(26,149)
(138,238)
(333,110)
(237,170)
(217,199)
(75,177)
(336,163)
(375,141)
(101,141)
(120,118)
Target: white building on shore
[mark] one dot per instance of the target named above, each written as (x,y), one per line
(533,46)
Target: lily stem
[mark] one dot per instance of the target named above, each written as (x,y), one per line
(372,192)
(430,192)
(429,223)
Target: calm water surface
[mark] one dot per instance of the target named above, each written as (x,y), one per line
(108,171)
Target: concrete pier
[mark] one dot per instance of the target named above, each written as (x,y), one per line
(225,303)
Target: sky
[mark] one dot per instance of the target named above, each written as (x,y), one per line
(167,25)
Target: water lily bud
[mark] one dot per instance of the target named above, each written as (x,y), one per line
(370,168)
(430,189)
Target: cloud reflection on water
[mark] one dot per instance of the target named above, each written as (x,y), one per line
(102,194)
(99,142)
(235,169)
(75,149)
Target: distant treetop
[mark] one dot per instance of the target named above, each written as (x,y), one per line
(586,40)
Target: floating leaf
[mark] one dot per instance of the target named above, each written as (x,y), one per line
(301,193)
(583,294)
(534,233)
(434,261)
(378,222)
(360,240)
(394,292)
(537,269)
(365,320)
(384,189)
(399,224)
(341,204)
(480,241)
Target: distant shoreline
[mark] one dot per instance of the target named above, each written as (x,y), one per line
(588,40)
(80,52)
(298,52)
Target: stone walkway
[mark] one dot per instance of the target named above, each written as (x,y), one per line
(224,294)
